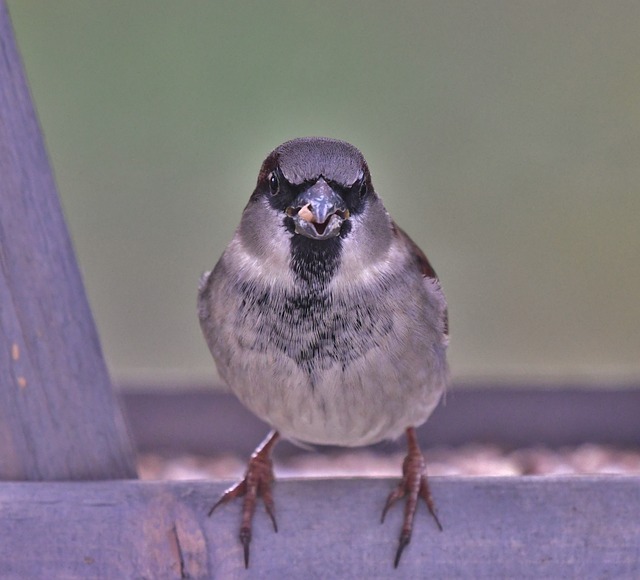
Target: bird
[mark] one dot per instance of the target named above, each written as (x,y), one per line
(326,321)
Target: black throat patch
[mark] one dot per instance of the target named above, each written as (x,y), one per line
(315,262)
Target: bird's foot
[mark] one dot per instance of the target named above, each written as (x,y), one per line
(256,483)
(413,485)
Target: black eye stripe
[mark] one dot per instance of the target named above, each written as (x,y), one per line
(281,194)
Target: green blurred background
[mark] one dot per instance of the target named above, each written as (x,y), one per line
(504,136)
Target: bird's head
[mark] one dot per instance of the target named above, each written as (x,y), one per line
(318,184)
(317,192)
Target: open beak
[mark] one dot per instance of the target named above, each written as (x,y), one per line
(318,212)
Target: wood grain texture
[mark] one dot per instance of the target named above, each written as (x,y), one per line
(58,415)
(578,527)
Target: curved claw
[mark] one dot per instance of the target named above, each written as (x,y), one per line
(413,485)
(394,496)
(404,542)
(245,540)
(270,509)
(255,484)
(237,490)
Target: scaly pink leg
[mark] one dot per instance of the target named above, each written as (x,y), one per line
(414,485)
(256,483)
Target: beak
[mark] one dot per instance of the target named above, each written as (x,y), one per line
(318,212)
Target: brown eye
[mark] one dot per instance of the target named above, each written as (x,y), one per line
(274,184)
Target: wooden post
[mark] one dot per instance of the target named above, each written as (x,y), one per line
(58,415)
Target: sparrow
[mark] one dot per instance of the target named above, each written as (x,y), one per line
(326,320)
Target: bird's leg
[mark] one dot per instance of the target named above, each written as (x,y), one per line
(256,483)
(414,485)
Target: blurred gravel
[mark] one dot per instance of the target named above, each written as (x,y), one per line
(467,460)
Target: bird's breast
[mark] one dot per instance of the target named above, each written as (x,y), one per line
(347,365)
(313,327)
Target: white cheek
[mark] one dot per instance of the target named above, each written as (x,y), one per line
(260,250)
(362,266)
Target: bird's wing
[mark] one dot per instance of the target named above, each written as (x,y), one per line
(423,264)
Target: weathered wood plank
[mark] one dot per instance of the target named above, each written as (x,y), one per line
(578,527)
(58,415)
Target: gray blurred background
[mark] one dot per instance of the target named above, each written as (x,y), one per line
(504,136)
